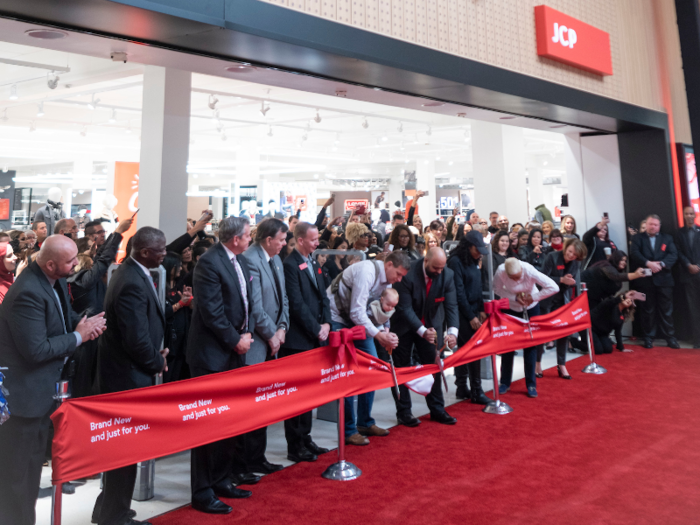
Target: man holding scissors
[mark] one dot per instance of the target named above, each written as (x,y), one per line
(518,281)
(427,307)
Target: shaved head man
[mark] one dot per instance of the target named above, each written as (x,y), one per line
(58,257)
(67,227)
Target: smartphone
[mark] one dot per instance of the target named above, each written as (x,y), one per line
(134,215)
(391,247)
(605,214)
(647,272)
(426,193)
(639,296)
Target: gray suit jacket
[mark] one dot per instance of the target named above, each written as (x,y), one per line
(270,311)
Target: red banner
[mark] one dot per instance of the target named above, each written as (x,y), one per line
(101,433)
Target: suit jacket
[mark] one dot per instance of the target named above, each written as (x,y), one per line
(309,307)
(128,353)
(36,338)
(269,305)
(687,254)
(555,268)
(219,312)
(468,289)
(439,310)
(664,251)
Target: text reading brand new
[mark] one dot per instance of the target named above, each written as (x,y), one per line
(565,39)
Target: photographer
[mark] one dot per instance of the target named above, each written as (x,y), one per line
(609,316)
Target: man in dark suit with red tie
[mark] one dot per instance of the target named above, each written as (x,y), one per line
(220,336)
(427,307)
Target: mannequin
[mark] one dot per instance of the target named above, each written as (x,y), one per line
(108,213)
(52,211)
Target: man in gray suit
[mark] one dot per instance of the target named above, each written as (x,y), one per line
(270,310)
(39,332)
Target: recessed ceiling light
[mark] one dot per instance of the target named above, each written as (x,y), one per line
(46,34)
(507,118)
(240,68)
(433,104)
(559,126)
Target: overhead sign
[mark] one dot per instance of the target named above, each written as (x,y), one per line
(351,204)
(565,39)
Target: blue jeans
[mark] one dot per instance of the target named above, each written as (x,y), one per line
(364,401)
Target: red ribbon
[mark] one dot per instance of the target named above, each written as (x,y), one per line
(492,307)
(343,340)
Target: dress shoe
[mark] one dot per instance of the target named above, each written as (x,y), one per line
(539,376)
(297,456)
(227,490)
(68,488)
(356,439)
(561,374)
(696,345)
(502,389)
(647,343)
(480,399)
(129,516)
(443,418)
(462,393)
(265,467)
(672,343)
(315,449)
(136,522)
(211,506)
(244,479)
(374,430)
(408,421)
(531,391)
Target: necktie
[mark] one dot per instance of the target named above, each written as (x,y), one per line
(277,280)
(244,290)
(59,297)
(310,266)
(427,294)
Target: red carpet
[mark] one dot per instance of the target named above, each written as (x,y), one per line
(622,448)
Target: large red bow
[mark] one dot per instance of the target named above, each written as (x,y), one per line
(343,340)
(492,307)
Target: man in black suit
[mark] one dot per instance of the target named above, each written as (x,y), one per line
(39,332)
(129,354)
(427,306)
(309,325)
(688,244)
(657,252)
(220,336)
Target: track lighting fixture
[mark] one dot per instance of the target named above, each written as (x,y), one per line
(52,80)
(40,110)
(212,101)
(13,92)
(215,114)
(337,139)
(264,109)
(430,131)
(304,137)
(113,117)
(365,124)
(93,103)
(269,131)
(224,137)
(317,118)
(400,128)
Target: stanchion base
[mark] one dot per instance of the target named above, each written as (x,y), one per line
(497,407)
(342,471)
(594,368)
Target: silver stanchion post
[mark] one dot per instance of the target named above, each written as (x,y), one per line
(592,367)
(498,406)
(342,470)
(62,393)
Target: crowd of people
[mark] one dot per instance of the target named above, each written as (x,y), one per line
(247,294)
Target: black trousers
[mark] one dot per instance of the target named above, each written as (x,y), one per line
(297,429)
(118,488)
(529,354)
(602,344)
(471,370)
(692,294)
(425,355)
(211,464)
(657,310)
(249,451)
(22,448)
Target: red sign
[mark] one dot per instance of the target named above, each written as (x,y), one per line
(126,190)
(566,39)
(4,209)
(351,204)
(691,172)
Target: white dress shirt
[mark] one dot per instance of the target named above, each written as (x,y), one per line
(505,287)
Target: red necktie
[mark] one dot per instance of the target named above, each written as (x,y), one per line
(427,294)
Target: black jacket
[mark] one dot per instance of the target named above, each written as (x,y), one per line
(439,310)
(219,312)
(526,253)
(309,307)
(607,317)
(33,344)
(664,251)
(596,247)
(467,279)
(555,268)
(128,354)
(687,254)
(602,282)
(87,287)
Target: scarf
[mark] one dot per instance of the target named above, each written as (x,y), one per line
(557,246)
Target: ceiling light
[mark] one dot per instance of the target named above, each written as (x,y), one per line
(40,110)
(5,169)
(13,92)
(304,137)
(315,175)
(269,131)
(430,131)
(46,34)
(93,103)
(113,117)
(508,118)
(32,127)
(74,195)
(365,124)
(385,138)
(337,139)
(317,118)
(400,128)
(224,138)
(402,147)
(558,126)
(52,80)
(195,176)
(377,89)
(212,101)
(81,191)
(128,129)
(545,162)
(264,109)
(83,132)
(433,104)
(450,163)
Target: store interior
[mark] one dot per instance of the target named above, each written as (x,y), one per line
(67,119)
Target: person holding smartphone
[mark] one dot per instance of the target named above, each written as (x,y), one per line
(598,243)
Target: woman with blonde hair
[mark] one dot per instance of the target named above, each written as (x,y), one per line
(357,235)
(547,228)
(568,227)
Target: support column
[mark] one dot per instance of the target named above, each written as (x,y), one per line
(165,139)
(574,178)
(425,180)
(499,170)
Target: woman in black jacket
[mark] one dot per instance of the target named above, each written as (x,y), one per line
(610,315)
(177,318)
(464,262)
(604,278)
(562,267)
(597,240)
(335,264)
(534,252)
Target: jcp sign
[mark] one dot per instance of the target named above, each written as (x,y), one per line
(565,39)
